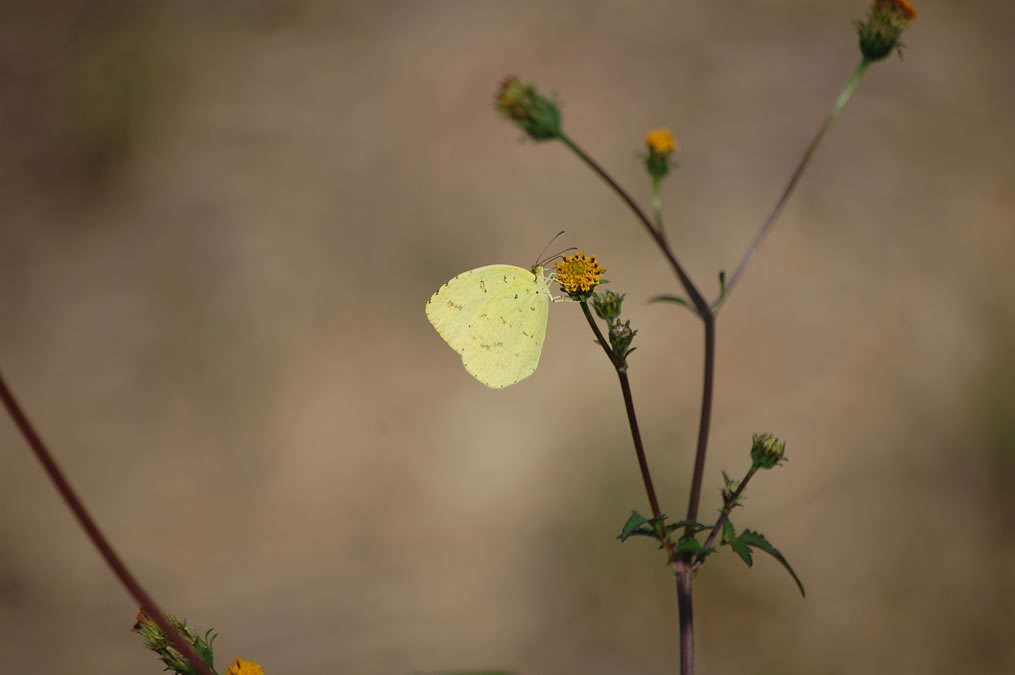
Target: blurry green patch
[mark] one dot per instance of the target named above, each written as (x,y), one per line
(109,93)
(993,414)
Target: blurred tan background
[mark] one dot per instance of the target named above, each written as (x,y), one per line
(218,230)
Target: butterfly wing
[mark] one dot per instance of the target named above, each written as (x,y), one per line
(495,317)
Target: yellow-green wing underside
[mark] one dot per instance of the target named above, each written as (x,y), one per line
(495,317)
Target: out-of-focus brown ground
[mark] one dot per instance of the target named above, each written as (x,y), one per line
(218,230)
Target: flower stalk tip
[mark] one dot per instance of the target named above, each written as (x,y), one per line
(533,113)
(157,641)
(886,20)
(767,451)
(661,145)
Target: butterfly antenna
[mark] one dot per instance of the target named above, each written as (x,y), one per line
(548,244)
(542,261)
(561,254)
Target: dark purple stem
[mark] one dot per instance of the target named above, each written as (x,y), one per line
(92,530)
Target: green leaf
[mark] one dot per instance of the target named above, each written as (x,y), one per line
(742,550)
(631,526)
(757,540)
(672,298)
(693,524)
(689,545)
(729,533)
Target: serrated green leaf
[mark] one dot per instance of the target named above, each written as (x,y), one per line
(757,540)
(742,550)
(631,526)
(693,524)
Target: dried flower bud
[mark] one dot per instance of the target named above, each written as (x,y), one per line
(536,115)
(886,19)
(621,336)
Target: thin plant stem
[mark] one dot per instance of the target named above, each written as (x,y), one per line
(632,418)
(697,299)
(657,205)
(686,609)
(646,476)
(705,422)
(843,99)
(704,310)
(726,509)
(92,529)
(599,334)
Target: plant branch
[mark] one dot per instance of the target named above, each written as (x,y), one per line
(599,335)
(704,311)
(657,205)
(686,610)
(726,510)
(844,97)
(699,302)
(92,530)
(705,420)
(632,418)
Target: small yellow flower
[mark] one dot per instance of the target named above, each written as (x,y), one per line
(660,146)
(578,274)
(661,142)
(886,19)
(241,667)
(904,8)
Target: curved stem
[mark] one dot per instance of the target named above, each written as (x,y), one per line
(92,529)
(844,97)
(599,335)
(697,299)
(726,509)
(639,449)
(632,419)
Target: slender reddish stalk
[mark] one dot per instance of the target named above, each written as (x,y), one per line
(632,419)
(705,422)
(704,311)
(686,607)
(767,224)
(697,299)
(92,529)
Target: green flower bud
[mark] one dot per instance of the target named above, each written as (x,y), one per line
(535,114)
(661,146)
(621,336)
(157,641)
(886,19)
(767,450)
(607,305)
